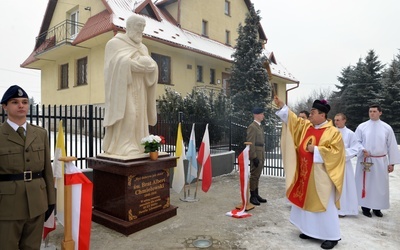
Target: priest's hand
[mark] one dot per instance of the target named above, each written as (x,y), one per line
(278,102)
(390,168)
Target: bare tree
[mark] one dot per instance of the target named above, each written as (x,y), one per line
(306,102)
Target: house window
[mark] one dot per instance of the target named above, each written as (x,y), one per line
(212,76)
(227,8)
(74,24)
(274,90)
(199,73)
(204,28)
(82,71)
(164,68)
(64,76)
(227,37)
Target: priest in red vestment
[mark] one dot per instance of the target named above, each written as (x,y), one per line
(314,162)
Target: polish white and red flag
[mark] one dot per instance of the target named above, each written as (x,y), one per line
(58,172)
(244,171)
(204,160)
(81,221)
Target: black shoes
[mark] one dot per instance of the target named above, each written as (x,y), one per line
(329,244)
(366,212)
(305,237)
(378,213)
(259,198)
(254,201)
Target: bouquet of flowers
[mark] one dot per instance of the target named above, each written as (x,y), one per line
(152,143)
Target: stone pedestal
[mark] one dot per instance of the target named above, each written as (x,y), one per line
(130,195)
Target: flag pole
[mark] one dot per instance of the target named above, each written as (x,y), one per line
(184,187)
(197,181)
(180,118)
(190,162)
(68,243)
(188,175)
(249,206)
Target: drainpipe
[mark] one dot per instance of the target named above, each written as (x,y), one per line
(287,91)
(179,13)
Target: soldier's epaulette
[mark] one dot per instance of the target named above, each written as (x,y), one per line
(37,126)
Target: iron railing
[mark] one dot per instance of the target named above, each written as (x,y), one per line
(83,133)
(63,33)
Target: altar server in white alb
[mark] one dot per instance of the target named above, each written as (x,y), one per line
(379,146)
(348,199)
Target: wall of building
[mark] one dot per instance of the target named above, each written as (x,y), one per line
(213,11)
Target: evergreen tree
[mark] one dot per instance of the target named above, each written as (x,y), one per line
(197,107)
(361,87)
(170,104)
(249,79)
(391,104)
(345,79)
(373,77)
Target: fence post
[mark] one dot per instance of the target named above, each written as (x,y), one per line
(91,129)
(230,133)
(180,116)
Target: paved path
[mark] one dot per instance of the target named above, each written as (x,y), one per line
(267,228)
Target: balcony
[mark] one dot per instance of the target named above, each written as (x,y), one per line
(57,41)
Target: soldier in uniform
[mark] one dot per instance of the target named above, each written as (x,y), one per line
(255,135)
(27,193)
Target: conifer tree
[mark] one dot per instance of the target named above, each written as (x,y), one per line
(391,104)
(249,80)
(345,79)
(363,88)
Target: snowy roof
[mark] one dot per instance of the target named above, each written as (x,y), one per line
(171,33)
(166,31)
(163,29)
(277,68)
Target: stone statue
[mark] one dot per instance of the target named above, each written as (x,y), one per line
(130,76)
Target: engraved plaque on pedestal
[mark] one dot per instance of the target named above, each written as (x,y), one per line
(129,196)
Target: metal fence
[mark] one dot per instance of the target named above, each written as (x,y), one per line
(83,131)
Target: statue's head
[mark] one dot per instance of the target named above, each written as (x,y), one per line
(134,27)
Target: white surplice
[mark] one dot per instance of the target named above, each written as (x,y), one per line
(378,138)
(348,200)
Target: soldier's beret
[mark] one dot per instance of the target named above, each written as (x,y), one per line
(14,91)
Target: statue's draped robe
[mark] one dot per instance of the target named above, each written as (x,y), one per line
(130,105)
(313,180)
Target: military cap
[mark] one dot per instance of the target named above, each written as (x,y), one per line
(14,91)
(258,110)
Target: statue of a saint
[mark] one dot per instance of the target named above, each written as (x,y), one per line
(130,76)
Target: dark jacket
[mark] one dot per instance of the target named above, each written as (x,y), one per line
(255,135)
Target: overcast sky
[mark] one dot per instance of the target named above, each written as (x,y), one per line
(21,21)
(316,39)
(313,39)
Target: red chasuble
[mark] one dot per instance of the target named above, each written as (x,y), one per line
(298,193)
